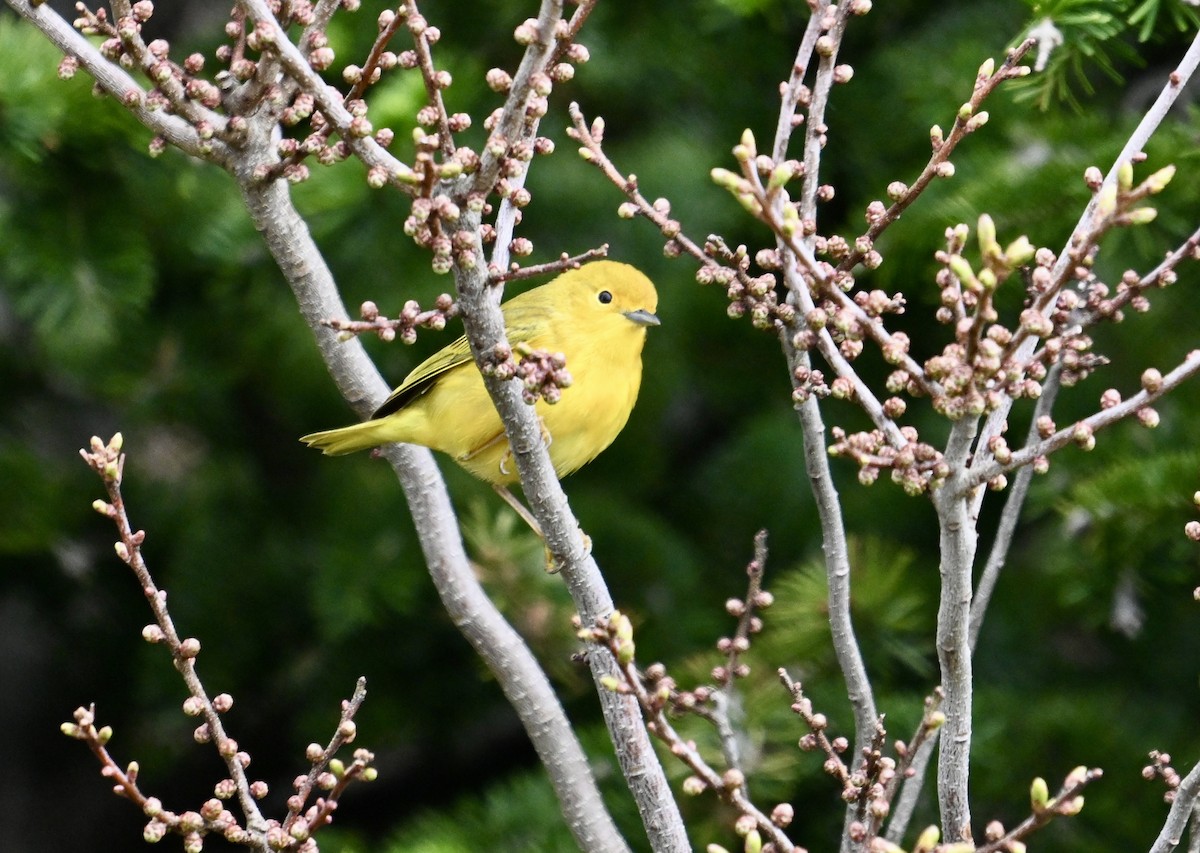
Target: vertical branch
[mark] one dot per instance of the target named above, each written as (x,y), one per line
(520,677)
(833,532)
(484,326)
(1182,806)
(1087,220)
(837,565)
(957,539)
(1013,505)
(640,766)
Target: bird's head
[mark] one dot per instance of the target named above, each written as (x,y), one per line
(612,289)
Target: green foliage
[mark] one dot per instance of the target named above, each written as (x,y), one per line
(135,295)
(1095,37)
(512,817)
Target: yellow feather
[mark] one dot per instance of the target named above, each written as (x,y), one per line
(596,316)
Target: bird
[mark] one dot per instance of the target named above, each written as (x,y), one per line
(595,316)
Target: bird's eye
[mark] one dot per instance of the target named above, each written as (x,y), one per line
(605,297)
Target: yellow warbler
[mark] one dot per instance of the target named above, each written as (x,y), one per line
(596,316)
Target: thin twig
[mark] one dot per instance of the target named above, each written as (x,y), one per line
(614,634)
(1014,504)
(1133,146)
(114,81)
(565,262)
(341,736)
(109,462)
(1089,425)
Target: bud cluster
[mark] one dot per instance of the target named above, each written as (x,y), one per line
(872,781)
(615,632)
(301,823)
(411,318)
(916,466)
(543,374)
(748,295)
(1160,768)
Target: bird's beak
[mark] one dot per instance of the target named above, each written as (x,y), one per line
(643,317)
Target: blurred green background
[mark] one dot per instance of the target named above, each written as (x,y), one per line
(135,296)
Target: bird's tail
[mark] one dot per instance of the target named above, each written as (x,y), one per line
(338,442)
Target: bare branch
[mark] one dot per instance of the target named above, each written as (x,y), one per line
(514,666)
(565,262)
(1082,432)
(117,83)
(1183,805)
(1133,146)
(109,462)
(1013,506)
(614,634)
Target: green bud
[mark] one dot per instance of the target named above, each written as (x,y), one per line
(985,232)
(750,203)
(748,143)
(988,279)
(928,839)
(337,768)
(586,154)
(625,653)
(988,68)
(72,730)
(1071,807)
(1039,795)
(965,112)
(1019,252)
(1106,203)
(370,774)
(1157,182)
(1125,176)
(780,175)
(624,627)
(977,121)
(1142,216)
(962,268)
(104,734)
(610,683)
(118,440)
(753,842)
(724,178)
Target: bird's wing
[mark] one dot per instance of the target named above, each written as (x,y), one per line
(524,320)
(424,376)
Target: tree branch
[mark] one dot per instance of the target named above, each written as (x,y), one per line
(114,81)
(509,659)
(1134,145)
(1182,805)
(957,536)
